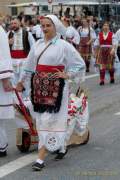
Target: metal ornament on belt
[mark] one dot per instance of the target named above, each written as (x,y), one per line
(52,142)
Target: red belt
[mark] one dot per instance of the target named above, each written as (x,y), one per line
(18,54)
(47,68)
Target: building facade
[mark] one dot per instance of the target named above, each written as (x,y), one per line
(50,5)
(5,10)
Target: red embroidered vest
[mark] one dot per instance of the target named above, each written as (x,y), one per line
(107,41)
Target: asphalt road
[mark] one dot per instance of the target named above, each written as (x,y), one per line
(98,160)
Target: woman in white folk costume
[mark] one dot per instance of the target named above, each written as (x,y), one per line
(6,98)
(105,47)
(87,36)
(72,35)
(50,88)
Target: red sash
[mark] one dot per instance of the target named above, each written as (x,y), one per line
(46,68)
(18,54)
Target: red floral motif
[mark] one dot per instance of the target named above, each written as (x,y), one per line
(74,110)
(44,87)
(44,93)
(69,106)
(56,88)
(74,107)
(46,82)
(57,83)
(47,86)
(71,112)
(55,94)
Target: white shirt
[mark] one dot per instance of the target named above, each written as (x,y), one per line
(83,32)
(71,33)
(38,31)
(59,52)
(6,98)
(18,40)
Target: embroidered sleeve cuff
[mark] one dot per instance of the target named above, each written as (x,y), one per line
(6,74)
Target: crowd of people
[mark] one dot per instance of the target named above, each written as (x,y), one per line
(38,57)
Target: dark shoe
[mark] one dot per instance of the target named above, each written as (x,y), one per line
(60,155)
(3,154)
(55,152)
(87,70)
(112,81)
(102,83)
(37,166)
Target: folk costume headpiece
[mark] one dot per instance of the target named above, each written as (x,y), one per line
(60,28)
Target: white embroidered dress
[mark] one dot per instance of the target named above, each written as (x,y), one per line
(6,98)
(6,71)
(58,53)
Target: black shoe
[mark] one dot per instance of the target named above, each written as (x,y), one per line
(112,81)
(3,154)
(102,83)
(55,152)
(37,166)
(60,155)
(87,70)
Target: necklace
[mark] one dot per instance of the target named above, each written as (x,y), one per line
(105,33)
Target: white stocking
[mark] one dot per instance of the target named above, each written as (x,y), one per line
(3,136)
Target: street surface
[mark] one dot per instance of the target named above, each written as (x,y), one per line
(98,160)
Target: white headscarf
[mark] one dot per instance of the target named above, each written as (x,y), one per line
(60,28)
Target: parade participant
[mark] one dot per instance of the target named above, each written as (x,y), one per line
(77,22)
(105,46)
(20,42)
(32,25)
(52,60)
(36,30)
(6,101)
(72,36)
(26,21)
(87,36)
(117,37)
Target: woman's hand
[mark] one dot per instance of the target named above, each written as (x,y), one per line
(7,85)
(20,87)
(88,43)
(112,52)
(61,74)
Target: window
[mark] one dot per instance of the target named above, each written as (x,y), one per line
(13,10)
(45,8)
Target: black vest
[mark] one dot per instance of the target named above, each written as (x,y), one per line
(26,45)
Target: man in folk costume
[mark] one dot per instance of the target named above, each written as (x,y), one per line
(20,41)
(51,63)
(6,100)
(87,37)
(105,46)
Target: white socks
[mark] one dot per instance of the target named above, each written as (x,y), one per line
(62,149)
(39,161)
